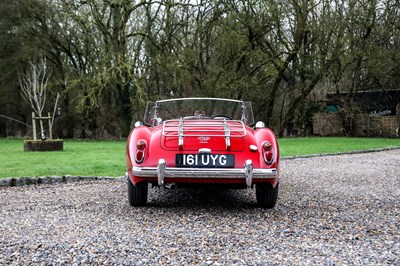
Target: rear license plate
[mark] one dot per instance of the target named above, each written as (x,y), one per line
(205,160)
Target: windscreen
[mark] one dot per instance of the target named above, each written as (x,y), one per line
(198,108)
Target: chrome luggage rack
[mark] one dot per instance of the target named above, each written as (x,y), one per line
(204,127)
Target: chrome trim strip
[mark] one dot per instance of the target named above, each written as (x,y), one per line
(162,172)
(227,132)
(180,133)
(205,150)
(204,172)
(184,99)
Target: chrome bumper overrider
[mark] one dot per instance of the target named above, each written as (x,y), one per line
(162,172)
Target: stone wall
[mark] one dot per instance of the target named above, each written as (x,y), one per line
(383,126)
(325,124)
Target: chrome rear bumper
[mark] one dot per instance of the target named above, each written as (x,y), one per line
(247,172)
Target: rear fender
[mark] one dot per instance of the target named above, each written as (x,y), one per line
(141,132)
(266,134)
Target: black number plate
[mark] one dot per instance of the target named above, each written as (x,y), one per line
(205,160)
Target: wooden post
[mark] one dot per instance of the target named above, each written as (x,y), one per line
(50,131)
(34,125)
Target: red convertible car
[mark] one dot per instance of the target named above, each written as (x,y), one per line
(202,142)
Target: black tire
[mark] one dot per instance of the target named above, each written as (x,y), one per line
(266,195)
(137,195)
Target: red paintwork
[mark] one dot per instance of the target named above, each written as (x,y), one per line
(159,146)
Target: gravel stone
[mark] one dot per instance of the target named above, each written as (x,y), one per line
(333,210)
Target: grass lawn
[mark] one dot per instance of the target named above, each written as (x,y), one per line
(107,158)
(314,145)
(85,158)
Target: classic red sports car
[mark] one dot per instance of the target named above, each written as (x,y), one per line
(202,142)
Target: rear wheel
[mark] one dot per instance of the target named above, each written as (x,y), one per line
(266,195)
(137,195)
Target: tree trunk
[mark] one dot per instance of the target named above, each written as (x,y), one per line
(42,133)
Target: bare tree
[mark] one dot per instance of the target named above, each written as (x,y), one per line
(33,85)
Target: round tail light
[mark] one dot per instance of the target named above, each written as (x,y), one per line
(140,153)
(267,146)
(141,144)
(268,153)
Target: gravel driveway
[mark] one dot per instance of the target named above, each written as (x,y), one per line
(331,210)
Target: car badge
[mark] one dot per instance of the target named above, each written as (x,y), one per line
(203,139)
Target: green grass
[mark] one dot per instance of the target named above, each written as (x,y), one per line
(85,158)
(315,145)
(107,158)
